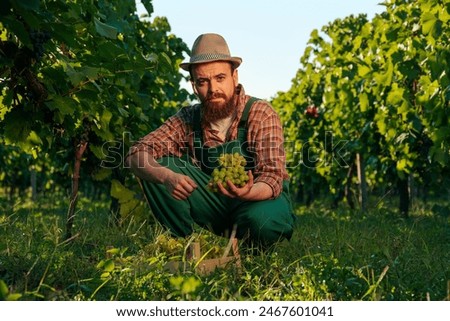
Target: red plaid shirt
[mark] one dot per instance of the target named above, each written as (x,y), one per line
(264,135)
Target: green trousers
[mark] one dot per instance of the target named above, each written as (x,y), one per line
(264,222)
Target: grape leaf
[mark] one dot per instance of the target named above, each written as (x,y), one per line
(105,30)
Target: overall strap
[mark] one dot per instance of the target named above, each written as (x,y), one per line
(197,126)
(242,127)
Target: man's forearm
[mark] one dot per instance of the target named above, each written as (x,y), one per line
(144,166)
(260,191)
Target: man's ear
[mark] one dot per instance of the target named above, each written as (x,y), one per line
(236,76)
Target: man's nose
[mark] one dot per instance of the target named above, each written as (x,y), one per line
(213,86)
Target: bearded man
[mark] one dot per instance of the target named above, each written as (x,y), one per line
(174,163)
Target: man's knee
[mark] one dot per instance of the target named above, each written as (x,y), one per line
(266,227)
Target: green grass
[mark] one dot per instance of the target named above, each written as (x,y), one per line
(333,255)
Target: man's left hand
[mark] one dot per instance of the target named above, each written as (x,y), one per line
(237,192)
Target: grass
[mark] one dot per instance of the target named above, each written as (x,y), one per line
(333,255)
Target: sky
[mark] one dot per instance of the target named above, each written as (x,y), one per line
(270,36)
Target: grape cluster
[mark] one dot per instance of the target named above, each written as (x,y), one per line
(168,244)
(39,38)
(174,247)
(231,167)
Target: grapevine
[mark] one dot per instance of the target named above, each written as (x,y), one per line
(231,167)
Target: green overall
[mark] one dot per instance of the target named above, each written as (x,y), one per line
(264,222)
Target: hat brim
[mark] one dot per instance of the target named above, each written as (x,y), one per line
(236,61)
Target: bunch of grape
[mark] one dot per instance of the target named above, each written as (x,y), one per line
(211,246)
(168,244)
(39,38)
(231,167)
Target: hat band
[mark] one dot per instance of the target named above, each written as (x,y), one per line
(209,56)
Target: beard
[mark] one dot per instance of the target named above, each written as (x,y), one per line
(214,111)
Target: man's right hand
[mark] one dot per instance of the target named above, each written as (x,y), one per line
(144,166)
(179,186)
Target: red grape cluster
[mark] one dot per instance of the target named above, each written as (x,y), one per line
(39,38)
(312,111)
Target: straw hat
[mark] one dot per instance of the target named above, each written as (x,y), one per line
(210,47)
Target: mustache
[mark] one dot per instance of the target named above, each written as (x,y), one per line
(216,95)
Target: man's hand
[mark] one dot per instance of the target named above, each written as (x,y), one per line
(147,168)
(237,192)
(179,186)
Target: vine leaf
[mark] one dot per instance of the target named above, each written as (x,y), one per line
(148,6)
(17,129)
(105,30)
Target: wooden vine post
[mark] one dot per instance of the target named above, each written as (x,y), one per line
(80,148)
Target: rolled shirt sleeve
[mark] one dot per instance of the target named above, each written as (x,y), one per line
(266,139)
(168,139)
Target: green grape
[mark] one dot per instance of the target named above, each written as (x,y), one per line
(231,168)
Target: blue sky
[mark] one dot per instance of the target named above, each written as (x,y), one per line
(270,36)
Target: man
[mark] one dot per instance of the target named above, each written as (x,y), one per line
(175,161)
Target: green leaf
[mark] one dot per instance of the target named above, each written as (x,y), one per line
(444,14)
(126,208)
(106,118)
(363,70)
(381,126)
(165,62)
(404,108)
(3,289)
(402,165)
(16,27)
(431,26)
(111,51)
(176,281)
(31,18)
(120,192)
(98,152)
(64,33)
(17,126)
(390,134)
(363,102)
(428,22)
(102,173)
(108,266)
(28,4)
(439,156)
(105,30)
(190,285)
(13,297)
(75,77)
(113,251)
(65,105)
(148,6)
(385,78)
(90,72)
(395,96)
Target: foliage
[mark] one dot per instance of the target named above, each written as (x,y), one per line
(83,71)
(380,89)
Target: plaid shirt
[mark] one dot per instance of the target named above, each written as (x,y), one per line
(264,135)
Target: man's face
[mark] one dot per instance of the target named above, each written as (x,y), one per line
(215,85)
